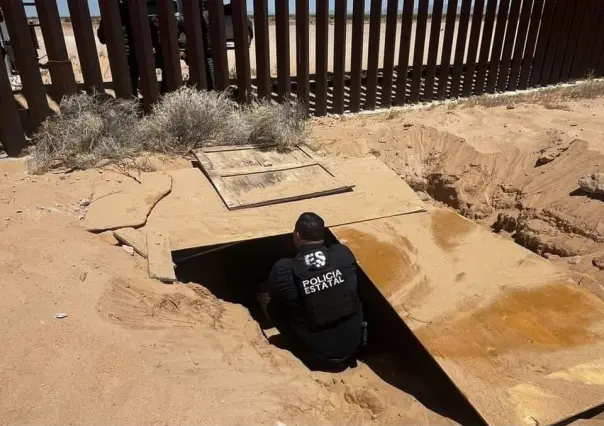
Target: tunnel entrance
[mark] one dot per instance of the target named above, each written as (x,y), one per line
(233,273)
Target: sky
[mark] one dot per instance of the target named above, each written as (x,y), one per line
(94,6)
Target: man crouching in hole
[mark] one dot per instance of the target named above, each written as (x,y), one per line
(313,301)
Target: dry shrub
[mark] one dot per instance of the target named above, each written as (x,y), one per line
(269,122)
(93,130)
(188,118)
(87,129)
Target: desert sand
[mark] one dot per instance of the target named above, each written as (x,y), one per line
(133,350)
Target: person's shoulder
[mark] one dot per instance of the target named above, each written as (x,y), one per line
(342,253)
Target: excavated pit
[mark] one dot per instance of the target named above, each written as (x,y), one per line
(520,183)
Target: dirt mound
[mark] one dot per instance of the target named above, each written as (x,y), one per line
(517,171)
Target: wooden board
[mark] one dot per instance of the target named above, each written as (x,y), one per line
(159,257)
(119,201)
(194,215)
(133,238)
(521,341)
(252,176)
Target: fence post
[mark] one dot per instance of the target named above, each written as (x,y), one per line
(27,60)
(525,18)
(302,52)
(445,62)
(437,13)
(502,19)
(508,46)
(116,47)
(542,41)
(61,70)
(144,51)
(405,48)
(356,60)
(339,56)
(460,46)
(11,129)
(475,34)
(170,52)
(375,27)
(84,36)
(485,46)
(389,47)
(195,44)
(218,43)
(321,40)
(531,42)
(242,54)
(418,54)
(283,57)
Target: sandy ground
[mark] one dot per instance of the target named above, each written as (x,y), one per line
(105,68)
(132,350)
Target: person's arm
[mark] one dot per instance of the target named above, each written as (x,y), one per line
(281,282)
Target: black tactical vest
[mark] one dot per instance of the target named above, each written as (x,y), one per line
(327,295)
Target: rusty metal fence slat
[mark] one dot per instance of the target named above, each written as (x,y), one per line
(283,56)
(144,52)
(418,54)
(485,46)
(242,53)
(598,49)
(552,41)
(86,45)
(321,57)
(196,49)
(26,59)
(525,18)
(302,52)
(59,65)
(508,45)
(445,62)
(389,48)
(116,47)
(404,52)
(573,49)
(437,13)
(475,32)
(542,42)
(263,62)
(460,46)
(171,73)
(495,62)
(563,41)
(375,27)
(339,55)
(356,60)
(585,43)
(11,129)
(531,41)
(218,44)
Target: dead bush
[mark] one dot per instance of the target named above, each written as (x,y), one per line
(87,129)
(188,118)
(94,130)
(281,124)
